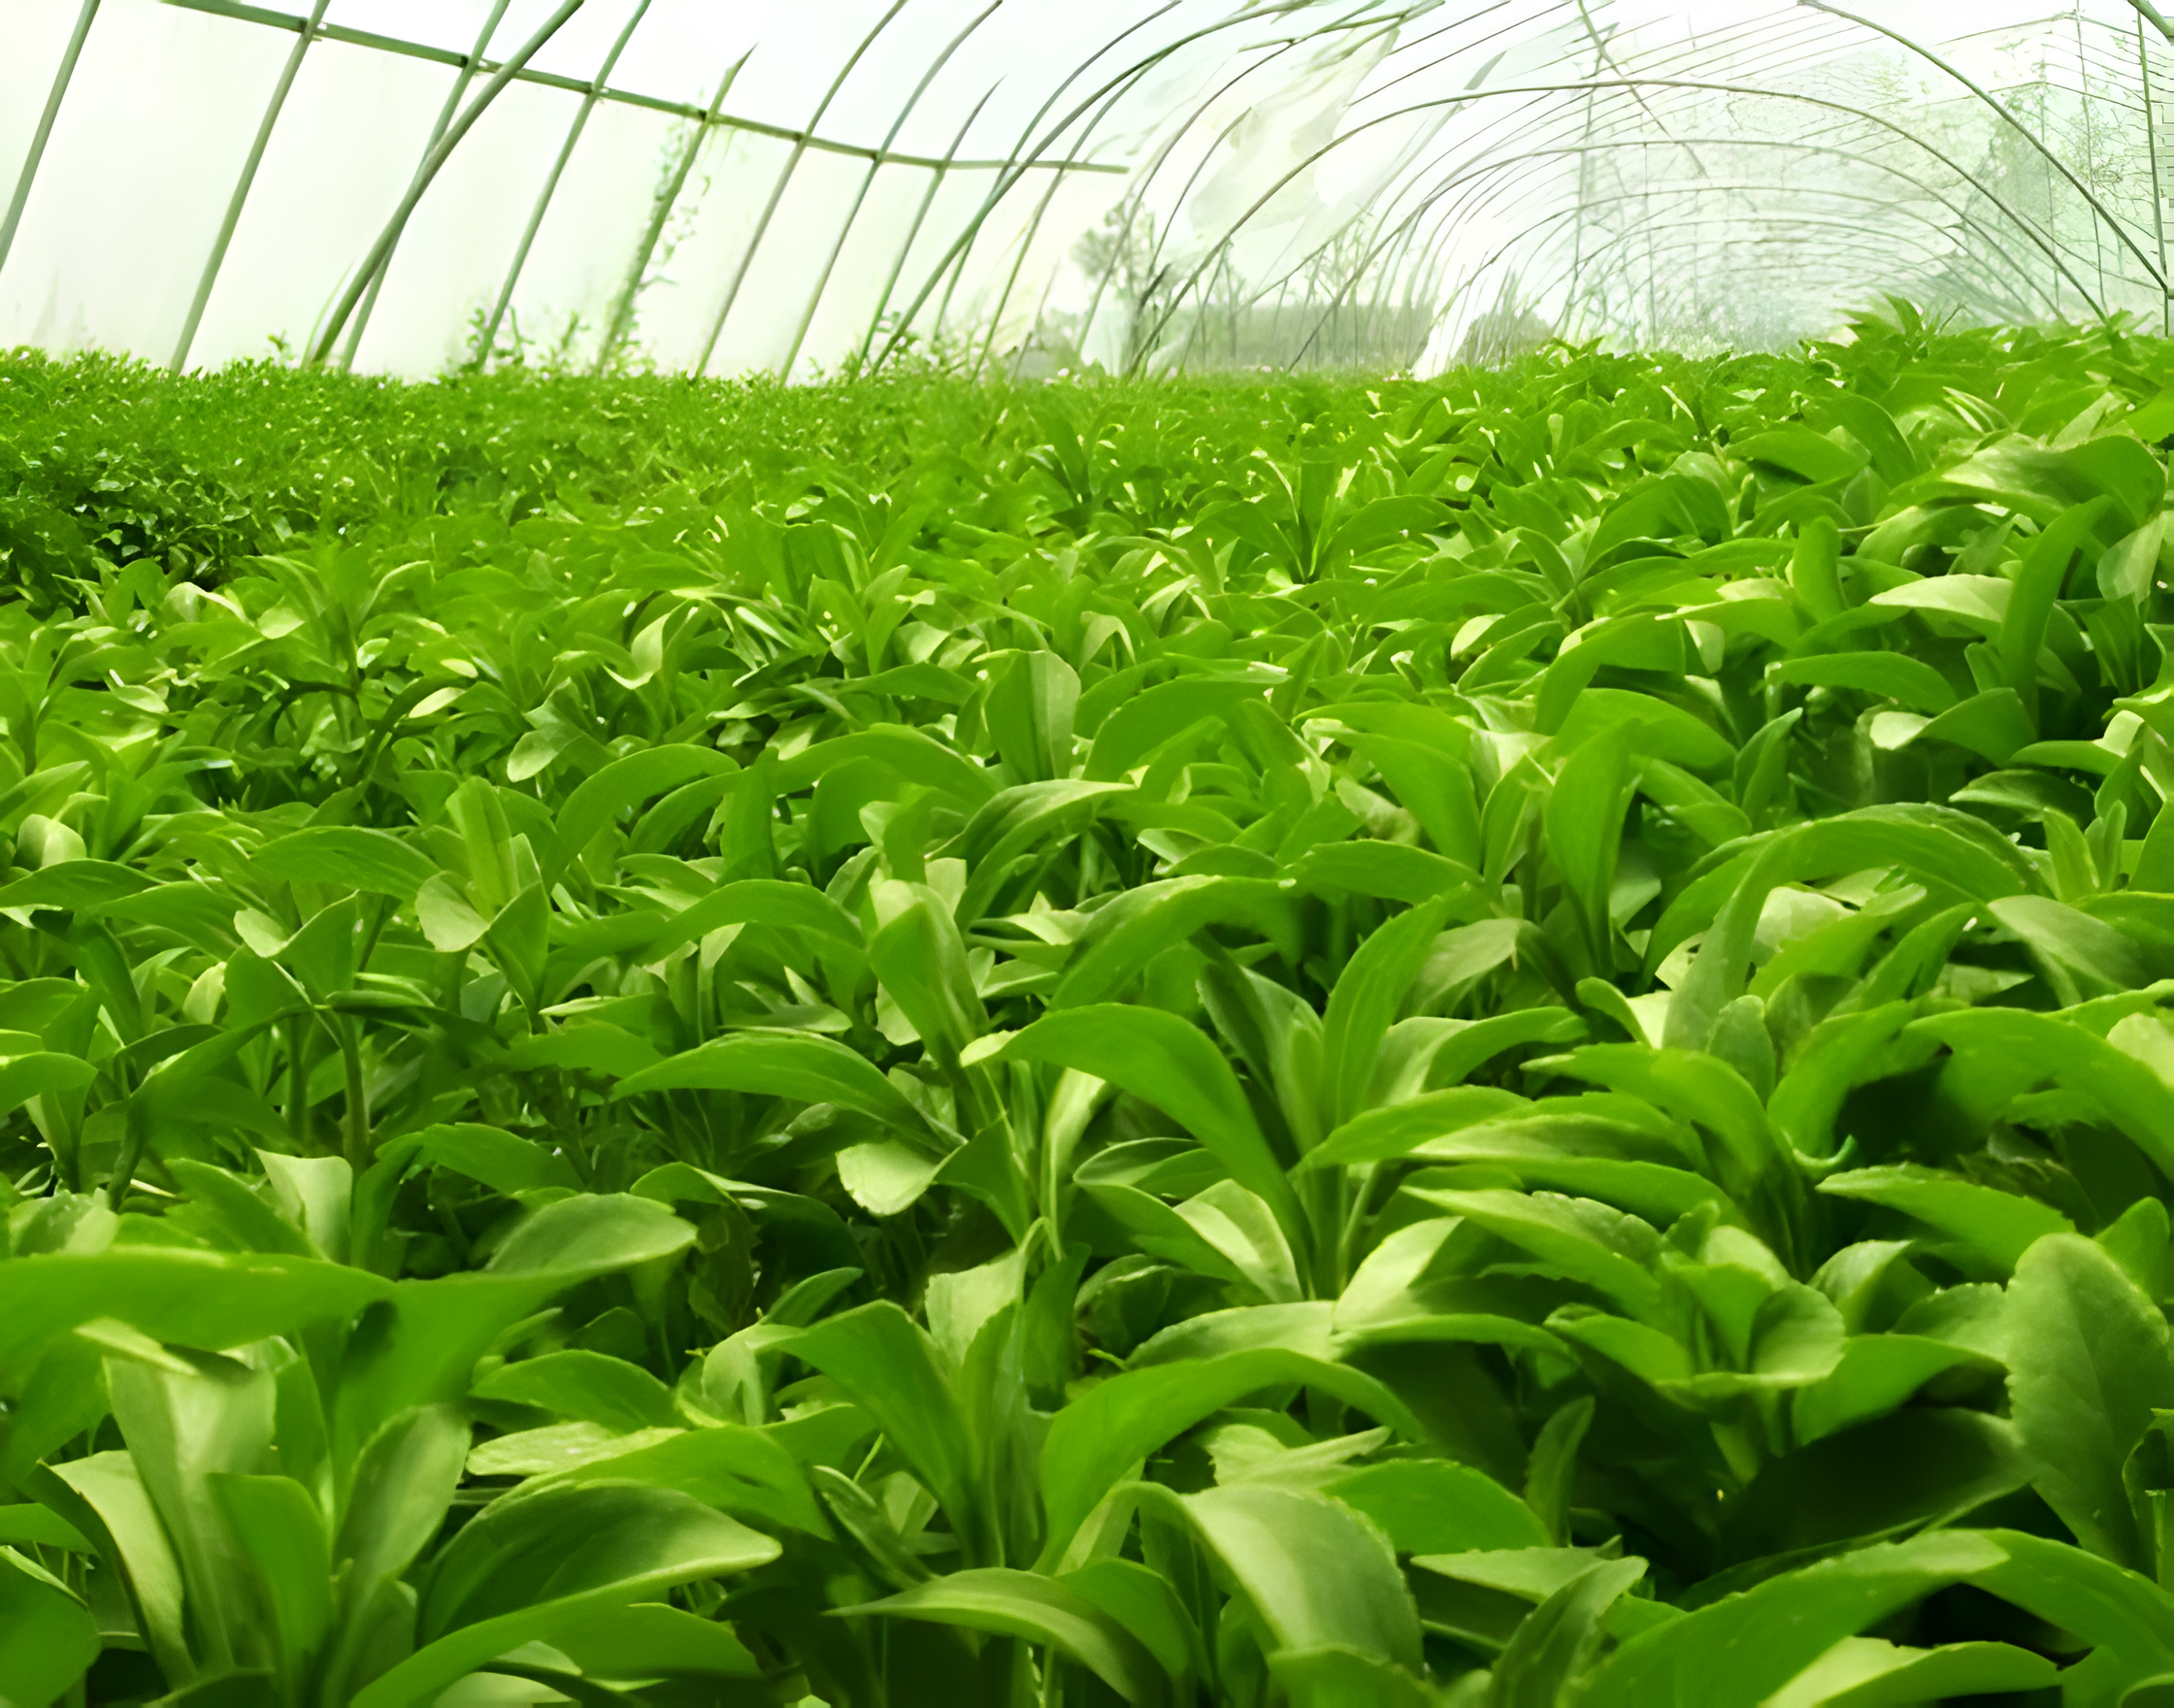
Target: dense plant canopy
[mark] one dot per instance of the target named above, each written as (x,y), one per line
(1494,1042)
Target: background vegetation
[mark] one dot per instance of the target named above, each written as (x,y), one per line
(1493,1041)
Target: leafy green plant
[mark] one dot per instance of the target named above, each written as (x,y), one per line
(1490,1041)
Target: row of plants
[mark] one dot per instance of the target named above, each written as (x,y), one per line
(1495,1042)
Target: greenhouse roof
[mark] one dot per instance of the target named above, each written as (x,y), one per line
(405,184)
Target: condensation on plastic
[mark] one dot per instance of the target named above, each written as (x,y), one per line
(1042,184)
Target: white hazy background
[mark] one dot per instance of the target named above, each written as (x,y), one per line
(1722,172)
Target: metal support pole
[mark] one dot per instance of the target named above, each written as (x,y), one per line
(778,190)
(913,230)
(429,171)
(488,341)
(217,257)
(43,133)
(446,112)
(620,326)
(2158,193)
(867,182)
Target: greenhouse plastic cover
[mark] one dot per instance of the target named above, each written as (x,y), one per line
(1041,185)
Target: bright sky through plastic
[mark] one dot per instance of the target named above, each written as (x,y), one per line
(1145,183)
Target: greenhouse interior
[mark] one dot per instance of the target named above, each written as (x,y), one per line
(1019,854)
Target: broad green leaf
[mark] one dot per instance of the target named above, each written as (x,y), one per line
(2129,567)
(918,956)
(913,754)
(1745,1647)
(1870,1672)
(47,1638)
(1317,1573)
(1933,844)
(281,1531)
(626,782)
(757,901)
(34,1074)
(401,1485)
(2001,1053)
(2085,948)
(1922,1466)
(891,1370)
(1344,1678)
(1806,454)
(1558,1639)
(1435,788)
(255,1223)
(316,1193)
(562,1554)
(1657,729)
(424,1351)
(1162,1060)
(1580,1239)
(741,1471)
(1365,1000)
(2038,583)
(1382,1135)
(1393,871)
(1991,1227)
(350,858)
(795,1064)
(1870,424)
(887,1178)
(2087,1367)
(184,1297)
(1208,1244)
(1876,1373)
(586,1385)
(1031,702)
(116,1501)
(650,1638)
(554,1448)
(1436,1506)
(448,919)
(1471,1046)
(72,885)
(1995,725)
(1096,1441)
(1144,1603)
(1041,1610)
(1144,722)
(1380,520)
(1143,922)
(1896,675)
(186,1423)
(579,1237)
(2122,1614)
(596,1046)
(22,1521)
(502,1161)
(1584,822)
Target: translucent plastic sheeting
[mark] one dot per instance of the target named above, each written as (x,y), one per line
(764,186)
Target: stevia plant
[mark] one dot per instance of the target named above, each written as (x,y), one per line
(1493,1041)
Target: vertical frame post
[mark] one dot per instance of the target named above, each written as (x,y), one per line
(920,218)
(784,179)
(43,133)
(382,250)
(217,257)
(488,340)
(2158,191)
(446,112)
(867,182)
(620,326)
